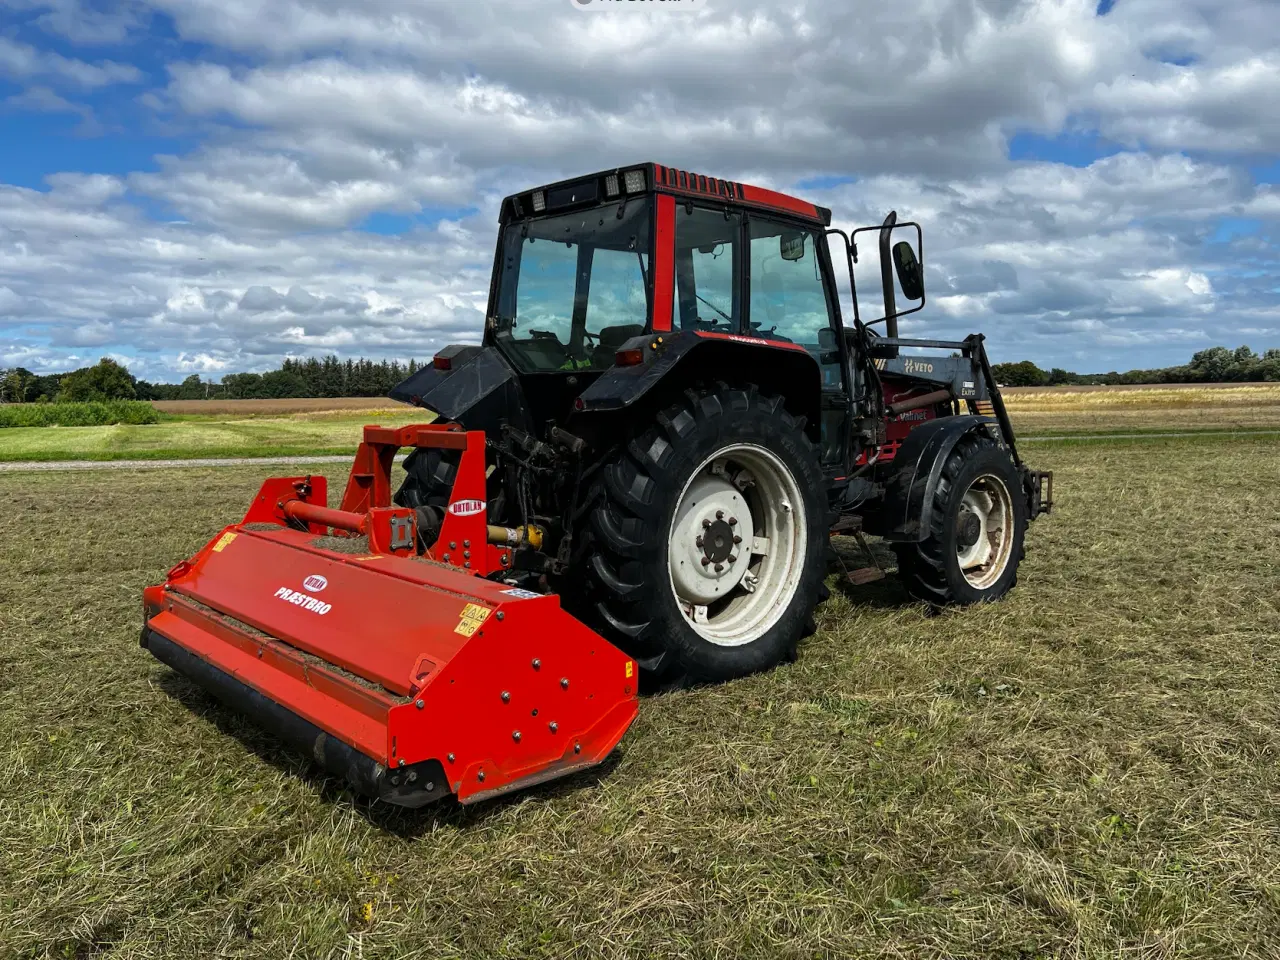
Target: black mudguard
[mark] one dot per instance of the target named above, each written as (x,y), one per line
(682,358)
(911,479)
(480,390)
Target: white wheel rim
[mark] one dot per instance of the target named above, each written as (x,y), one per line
(983,562)
(736,545)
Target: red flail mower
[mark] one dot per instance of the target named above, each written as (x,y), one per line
(635,474)
(471,687)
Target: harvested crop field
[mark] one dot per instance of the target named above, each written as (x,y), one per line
(1087,769)
(1152,408)
(267,408)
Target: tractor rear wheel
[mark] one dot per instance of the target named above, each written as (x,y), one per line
(707,535)
(975,538)
(429,475)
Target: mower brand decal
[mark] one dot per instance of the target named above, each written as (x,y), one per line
(466,508)
(521,594)
(305,601)
(915,366)
(315,583)
(473,615)
(223,540)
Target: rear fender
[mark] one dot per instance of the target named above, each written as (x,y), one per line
(906,514)
(681,359)
(480,390)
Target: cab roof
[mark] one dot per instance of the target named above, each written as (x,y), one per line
(608,186)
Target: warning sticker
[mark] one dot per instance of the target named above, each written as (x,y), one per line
(472,617)
(630,668)
(223,540)
(521,594)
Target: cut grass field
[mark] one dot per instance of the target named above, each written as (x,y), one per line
(1087,769)
(262,428)
(298,434)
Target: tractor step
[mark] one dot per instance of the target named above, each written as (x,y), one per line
(865,575)
(412,679)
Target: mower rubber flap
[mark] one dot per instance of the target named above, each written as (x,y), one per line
(412,679)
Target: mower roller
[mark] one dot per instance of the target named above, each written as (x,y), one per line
(637,474)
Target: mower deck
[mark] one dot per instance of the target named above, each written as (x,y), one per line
(411,678)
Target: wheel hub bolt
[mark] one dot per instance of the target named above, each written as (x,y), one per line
(732,558)
(733,521)
(737,539)
(719,568)
(706,561)
(705,524)
(719,514)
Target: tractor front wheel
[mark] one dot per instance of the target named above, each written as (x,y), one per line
(707,537)
(975,537)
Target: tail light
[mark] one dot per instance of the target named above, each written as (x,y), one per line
(629,358)
(442,362)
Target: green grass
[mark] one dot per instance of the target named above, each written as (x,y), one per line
(197,437)
(250,433)
(92,414)
(1087,769)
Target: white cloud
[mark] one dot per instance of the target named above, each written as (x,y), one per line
(308,116)
(20,61)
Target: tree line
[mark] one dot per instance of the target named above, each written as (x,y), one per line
(331,377)
(1215,365)
(311,377)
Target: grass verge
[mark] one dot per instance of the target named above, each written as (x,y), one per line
(1087,769)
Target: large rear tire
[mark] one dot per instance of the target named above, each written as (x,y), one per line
(707,537)
(978,523)
(429,475)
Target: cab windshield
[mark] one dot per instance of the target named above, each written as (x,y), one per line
(574,287)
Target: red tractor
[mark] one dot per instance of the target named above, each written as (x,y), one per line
(665,423)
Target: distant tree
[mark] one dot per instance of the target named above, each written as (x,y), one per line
(1021,374)
(17,385)
(105,380)
(1210,366)
(284,384)
(242,386)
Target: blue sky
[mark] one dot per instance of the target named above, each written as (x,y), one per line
(199,186)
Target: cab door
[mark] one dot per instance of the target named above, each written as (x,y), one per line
(791,297)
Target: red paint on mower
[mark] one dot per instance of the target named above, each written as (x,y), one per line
(411,675)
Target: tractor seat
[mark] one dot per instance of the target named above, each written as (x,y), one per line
(611,338)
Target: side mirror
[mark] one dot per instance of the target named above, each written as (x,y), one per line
(791,246)
(910,274)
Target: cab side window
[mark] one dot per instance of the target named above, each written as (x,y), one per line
(707,270)
(788,299)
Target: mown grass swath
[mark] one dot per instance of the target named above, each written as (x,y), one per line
(1087,769)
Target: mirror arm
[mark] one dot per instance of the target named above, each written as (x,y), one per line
(886,276)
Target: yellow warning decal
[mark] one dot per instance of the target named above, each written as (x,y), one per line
(223,540)
(473,615)
(630,667)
